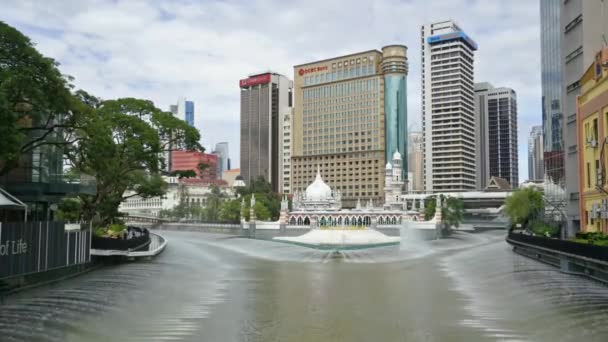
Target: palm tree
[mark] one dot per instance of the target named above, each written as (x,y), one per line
(215,198)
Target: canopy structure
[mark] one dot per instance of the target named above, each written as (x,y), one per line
(10,202)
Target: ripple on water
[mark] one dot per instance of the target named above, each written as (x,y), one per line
(517,298)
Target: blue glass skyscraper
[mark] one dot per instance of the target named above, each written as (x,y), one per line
(189,117)
(394,68)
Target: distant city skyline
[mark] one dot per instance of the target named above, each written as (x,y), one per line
(221,49)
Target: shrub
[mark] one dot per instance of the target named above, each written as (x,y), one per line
(544,229)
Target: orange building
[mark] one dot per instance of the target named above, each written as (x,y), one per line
(190,160)
(592,138)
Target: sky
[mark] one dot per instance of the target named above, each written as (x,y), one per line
(161,50)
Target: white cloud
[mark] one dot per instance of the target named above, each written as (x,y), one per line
(161,50)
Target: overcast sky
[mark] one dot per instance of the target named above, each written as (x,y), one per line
(160,50)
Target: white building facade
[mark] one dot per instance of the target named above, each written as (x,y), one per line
(448,109)
(285,150)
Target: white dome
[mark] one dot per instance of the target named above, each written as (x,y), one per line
(389,166)
(318,190)
(397,155)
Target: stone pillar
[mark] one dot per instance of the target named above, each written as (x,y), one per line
(438,218)
(252,217)
(374,223)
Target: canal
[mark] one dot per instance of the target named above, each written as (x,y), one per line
(208,287)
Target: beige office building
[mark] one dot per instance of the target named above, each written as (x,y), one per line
(339,122)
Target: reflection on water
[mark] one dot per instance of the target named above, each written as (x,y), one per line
(215,288)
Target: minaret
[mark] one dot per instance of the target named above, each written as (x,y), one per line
(284,209)
(251,209)
(388,184)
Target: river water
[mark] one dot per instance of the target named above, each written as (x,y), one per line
(208,287)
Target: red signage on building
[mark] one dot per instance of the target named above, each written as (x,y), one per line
(304,71)
(255,80)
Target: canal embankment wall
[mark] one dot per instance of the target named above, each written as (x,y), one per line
(569,257)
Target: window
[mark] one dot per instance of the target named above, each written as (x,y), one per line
(588,176)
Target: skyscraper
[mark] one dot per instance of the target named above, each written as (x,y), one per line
(583,26)
(221,149)
(339,121)
(448,109)
(551,82)
(496,134)
(184,109)
(415,161)
(265,98)
(536,154)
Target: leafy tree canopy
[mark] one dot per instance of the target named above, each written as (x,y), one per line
(36,106)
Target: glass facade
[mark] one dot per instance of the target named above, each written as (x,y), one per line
(395,111)
(551,79)
(190,113)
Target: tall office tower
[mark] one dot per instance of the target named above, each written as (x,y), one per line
(584,31)
(184,109)
(448,109)
(285,158)
(265,98)
(496,134)
(221,149)
(339,121)
(551,82)
(415,161)
(536,167)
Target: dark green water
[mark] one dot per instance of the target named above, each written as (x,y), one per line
(214,288)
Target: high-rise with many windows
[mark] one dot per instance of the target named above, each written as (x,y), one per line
(496,134)
(448,108)
(350,112)
(265,98)
(536,167)
(184,109)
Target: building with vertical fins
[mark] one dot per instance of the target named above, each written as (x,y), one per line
(349,117)
(448,108)
(265,99)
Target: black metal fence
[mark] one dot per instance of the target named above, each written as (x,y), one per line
(581,249)
(30,247)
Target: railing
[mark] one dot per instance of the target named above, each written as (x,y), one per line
(563,246)
(31,247)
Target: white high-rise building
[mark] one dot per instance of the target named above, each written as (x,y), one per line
(285,151)
(448,108)
(536,165)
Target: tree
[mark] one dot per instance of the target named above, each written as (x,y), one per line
(121,144)
(69,209)
(263,194)
(524,206)
(452,213)
(430,208)
(36,106)
(231,211)
(214,203)
(261,212)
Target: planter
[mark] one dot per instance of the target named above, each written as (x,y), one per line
(139,240)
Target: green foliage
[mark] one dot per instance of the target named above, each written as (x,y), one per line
(543,229)
(121,145)
(430,206)
(264,195)
(215,198)
(524,206)
(452,213)
(593,238)
(36,106)
(69,209)
(261,212)
(113,231)
(231,211)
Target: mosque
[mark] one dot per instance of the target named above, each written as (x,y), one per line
(320,206)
